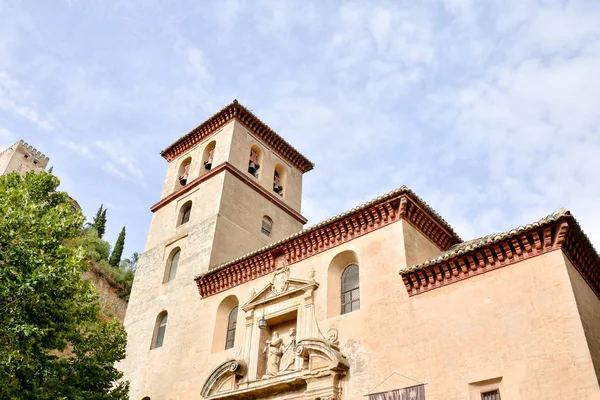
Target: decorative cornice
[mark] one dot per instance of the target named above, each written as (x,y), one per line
(240,175)
(251,122)
(558,231)
(382,211)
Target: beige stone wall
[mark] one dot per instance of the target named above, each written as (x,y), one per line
(243,140)
(588,305)
(241,211)
(21,158)
(519,323)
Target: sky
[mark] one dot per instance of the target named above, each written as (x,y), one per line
(488,110)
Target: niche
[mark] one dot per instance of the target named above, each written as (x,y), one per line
(277,343)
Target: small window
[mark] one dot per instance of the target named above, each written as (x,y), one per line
(35,163)
(172,265)
(26,155)
(350,289)
(254,161)
(491,395)
(231,325)
(161,327)
(185,213)
(267,226)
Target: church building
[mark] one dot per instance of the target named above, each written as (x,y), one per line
(234,299)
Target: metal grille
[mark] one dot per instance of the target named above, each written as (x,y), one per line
(160,334)
(350,289)
(231,324)
(491,395)
(267,226)
(173,265)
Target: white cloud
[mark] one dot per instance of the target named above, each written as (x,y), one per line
(121,162)
(16,99)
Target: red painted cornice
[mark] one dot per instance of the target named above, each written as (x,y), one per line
(240,175)
(398,205)
(251,122)
(560,233)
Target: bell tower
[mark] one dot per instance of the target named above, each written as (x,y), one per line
(232,186)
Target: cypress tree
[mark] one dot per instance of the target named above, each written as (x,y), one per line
(101,228)
(115,257)
(100,221)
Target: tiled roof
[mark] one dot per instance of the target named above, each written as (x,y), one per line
(487,240)
(237,111)
(401,190)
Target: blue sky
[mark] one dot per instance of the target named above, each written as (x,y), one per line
(489,110)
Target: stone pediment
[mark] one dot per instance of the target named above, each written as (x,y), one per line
(281,287)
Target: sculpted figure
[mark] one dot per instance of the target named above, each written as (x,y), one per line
(273,351)
(287,350)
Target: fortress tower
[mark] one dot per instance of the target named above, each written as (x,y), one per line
(21,157)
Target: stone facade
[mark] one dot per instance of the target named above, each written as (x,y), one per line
(516,312)
(21,158)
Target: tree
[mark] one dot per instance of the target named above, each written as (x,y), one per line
(115,257)
(53,342)
(100,221)
(130,264)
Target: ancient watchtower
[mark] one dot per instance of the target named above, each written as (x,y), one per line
(21,157)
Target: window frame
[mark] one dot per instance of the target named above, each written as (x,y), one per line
(172,273)
(231,327)
(269,221)
(186,208)
(354,303)
(160,330)
(493,392)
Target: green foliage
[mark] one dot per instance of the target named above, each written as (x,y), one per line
(94,248)
(130,264)
(115,257)
(120,279)
(53,344)
(99,223)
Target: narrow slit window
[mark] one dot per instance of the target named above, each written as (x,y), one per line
(185,213)
(267,226)
(350,289)
(173,261)
(231,325)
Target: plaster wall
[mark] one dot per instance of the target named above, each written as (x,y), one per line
(519,324)
(588,306)
(418,248)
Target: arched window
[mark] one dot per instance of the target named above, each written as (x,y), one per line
(146,398)
(185,212)
(278,179)
(209,152)
(254,161)
(267,226)
(184,171)
(231,324)
(225,324)
(350,291)
(159,330)
(172,262)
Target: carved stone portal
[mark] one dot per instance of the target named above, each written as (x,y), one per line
(287,359)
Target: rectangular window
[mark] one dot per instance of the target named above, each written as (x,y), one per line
(491,395)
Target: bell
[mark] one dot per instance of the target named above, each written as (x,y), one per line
(183,181)
(207,165)
(252,167)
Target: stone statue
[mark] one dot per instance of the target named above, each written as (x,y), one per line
(288,357)
(273,351)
